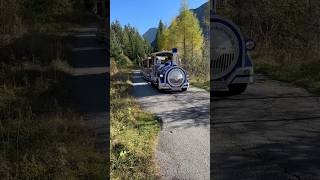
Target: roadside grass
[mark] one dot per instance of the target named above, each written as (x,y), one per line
(42,136)
(200,82)
(66,24)
(133,133)
(301,70)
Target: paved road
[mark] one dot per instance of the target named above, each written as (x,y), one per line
(271,132)
(184,141)
(89,82)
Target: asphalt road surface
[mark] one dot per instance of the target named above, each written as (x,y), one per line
(184,141)
(271,132)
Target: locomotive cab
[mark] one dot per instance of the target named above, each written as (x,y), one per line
(231,65)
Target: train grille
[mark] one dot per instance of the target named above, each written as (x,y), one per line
(223,64)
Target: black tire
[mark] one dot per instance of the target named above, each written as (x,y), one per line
(235,89)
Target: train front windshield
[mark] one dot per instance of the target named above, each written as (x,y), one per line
(164,58)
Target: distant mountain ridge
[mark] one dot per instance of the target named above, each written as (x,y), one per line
(150,35)
(200,13)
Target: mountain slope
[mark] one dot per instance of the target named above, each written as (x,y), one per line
(150,35)
(200,12)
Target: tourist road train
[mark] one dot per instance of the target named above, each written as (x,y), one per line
(163,70)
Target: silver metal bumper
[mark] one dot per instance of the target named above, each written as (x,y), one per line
(241,75)
(165,86)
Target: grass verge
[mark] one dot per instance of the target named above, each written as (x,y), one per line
(200,82)
(302,71)
(133,133)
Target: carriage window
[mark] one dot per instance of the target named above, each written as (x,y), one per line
(159,60)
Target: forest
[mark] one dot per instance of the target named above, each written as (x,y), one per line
(287,37)
(127,45)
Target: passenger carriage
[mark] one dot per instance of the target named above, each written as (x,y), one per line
(163,70)
(231,66)
(146,68)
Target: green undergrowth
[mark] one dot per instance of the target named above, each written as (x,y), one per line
(303,71)
(133,133)
(200,82)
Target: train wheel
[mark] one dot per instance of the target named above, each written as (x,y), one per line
(235,89)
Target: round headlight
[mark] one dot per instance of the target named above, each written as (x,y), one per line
(250,44)
(176,77)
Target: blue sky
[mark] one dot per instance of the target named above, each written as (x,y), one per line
(144,14)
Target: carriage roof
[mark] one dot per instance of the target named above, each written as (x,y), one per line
(161,52)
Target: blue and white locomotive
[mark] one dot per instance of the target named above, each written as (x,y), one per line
(163,70)
(231,66)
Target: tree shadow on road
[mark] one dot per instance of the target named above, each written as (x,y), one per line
(298,159)
(187,117)
(277,150)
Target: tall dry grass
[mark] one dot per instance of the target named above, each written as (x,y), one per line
(41,135)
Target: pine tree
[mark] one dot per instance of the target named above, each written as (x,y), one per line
(185,34)
(115,47)
(126,41)
(160,37)
(116,27)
